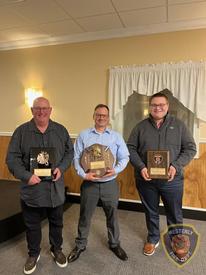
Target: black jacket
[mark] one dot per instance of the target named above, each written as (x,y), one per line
(46,193)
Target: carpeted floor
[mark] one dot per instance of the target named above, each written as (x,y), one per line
(98,259)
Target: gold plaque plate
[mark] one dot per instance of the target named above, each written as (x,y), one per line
(43,172)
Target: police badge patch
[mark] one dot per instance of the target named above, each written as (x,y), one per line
(180,243)
(158,158)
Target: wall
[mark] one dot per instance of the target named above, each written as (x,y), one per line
(75,79)
(75,76)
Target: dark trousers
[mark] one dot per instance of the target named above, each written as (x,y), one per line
(32,219)
(91,192)
(171,194)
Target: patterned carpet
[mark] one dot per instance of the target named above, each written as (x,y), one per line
(98,259)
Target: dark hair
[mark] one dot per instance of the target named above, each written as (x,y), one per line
(101,106)
(159,94)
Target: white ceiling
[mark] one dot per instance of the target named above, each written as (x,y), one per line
(29,23)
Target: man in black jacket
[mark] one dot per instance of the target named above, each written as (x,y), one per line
(160,131)
(41,196)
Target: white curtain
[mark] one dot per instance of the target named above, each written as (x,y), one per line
(186,81)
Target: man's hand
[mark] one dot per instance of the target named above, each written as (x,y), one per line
(56,174)
(91,176)
(145,174)
(34,180)
(109,173)
(172,172)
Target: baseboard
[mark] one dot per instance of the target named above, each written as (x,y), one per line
(137,206)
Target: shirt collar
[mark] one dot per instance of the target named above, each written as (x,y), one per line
(32,126)
(165,118)
(107,130)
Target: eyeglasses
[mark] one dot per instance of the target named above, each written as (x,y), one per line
(101,115)
(161,105)
(44,109)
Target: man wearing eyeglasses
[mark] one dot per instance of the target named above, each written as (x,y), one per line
(42,188)
(160,131)
(96,187)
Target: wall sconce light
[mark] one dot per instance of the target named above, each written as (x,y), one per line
(146,112)
(31,94)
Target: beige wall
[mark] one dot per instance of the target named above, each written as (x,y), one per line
(202,132)
(75,76)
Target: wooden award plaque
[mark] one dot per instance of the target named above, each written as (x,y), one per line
(42,162)
(158,164)
(98,159)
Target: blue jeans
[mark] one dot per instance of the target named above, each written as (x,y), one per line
(171,194)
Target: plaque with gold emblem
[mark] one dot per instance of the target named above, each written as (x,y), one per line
(98,159)
(42,162)
(158,164)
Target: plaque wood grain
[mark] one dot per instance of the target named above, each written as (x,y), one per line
(97,159)
(158,164)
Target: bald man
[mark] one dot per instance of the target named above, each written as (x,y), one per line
(41,196)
